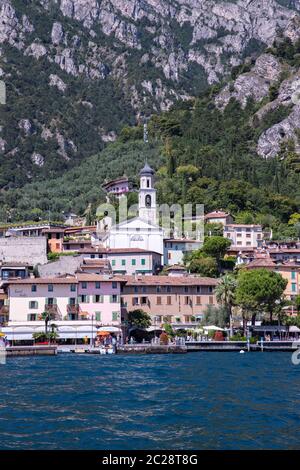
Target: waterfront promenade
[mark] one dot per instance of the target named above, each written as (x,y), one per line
(154,348)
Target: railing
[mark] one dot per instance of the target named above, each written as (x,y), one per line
(74,309)
(54,311)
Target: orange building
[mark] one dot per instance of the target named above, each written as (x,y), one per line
(175,299)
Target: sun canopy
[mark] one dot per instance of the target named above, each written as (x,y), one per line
(212,327)
(111,329)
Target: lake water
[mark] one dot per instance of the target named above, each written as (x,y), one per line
(192,401)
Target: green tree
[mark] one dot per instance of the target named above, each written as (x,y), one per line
(139,318)
(297,304)
(216,247)
(204,265)
(259,290)
(225,294)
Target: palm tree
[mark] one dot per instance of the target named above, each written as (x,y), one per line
(225,292)
(46,317)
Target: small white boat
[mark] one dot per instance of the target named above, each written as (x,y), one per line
(102,351)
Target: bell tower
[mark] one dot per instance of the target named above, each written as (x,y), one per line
(147,195)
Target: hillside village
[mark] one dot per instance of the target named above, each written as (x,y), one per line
(88,278)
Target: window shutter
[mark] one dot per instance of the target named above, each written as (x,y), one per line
(54,301)
(94,299)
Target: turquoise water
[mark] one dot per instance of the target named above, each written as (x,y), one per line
(192,401)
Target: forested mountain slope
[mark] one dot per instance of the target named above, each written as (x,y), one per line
(77,71)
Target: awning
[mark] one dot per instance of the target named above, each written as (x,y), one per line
(111,329)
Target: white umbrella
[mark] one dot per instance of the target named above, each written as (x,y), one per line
(212,327)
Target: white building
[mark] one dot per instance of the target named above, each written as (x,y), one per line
(174,249)
(142,231)
(244,235)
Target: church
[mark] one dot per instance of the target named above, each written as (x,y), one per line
(143,231)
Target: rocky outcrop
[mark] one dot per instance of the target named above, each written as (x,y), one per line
(146,54)
(289,96)
(254,84)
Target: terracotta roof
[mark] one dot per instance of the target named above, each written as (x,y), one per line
(54,229)
(170,280)
(177,267)
(112,251)
(261,263)
(90,277)
(45,280)
(241,248)
(95,262)
(216,214)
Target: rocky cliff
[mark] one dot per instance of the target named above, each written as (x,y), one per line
(78,70)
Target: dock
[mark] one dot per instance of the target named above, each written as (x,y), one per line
(47,350)
(151,349)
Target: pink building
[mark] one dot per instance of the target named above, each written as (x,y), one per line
(81,297)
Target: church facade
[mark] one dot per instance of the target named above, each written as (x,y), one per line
(142,231)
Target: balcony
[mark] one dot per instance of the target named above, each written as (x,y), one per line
(74,312)
(53,311)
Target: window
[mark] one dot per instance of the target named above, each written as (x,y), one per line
(169,300)
(135,301)
(32,317)
(92,256)
(144,300)
(248,243)
(115,316)
(97,285)
(114,285)
(143,261)
(84,299)
(136,289)
(123,262)
(113,262)
(73,287)
(114,299)
(186,299)
(198,300)
(50,287)
(198,289)
(158,300)
(294,287)
(158,289)
(238,234)
(97,299)
(98,316)
(33,304)
(133,262)
(293,275)
(168,288)
(72,301)
(33,288)
(186,289)
(84,285)
(211,300)
(248,235)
